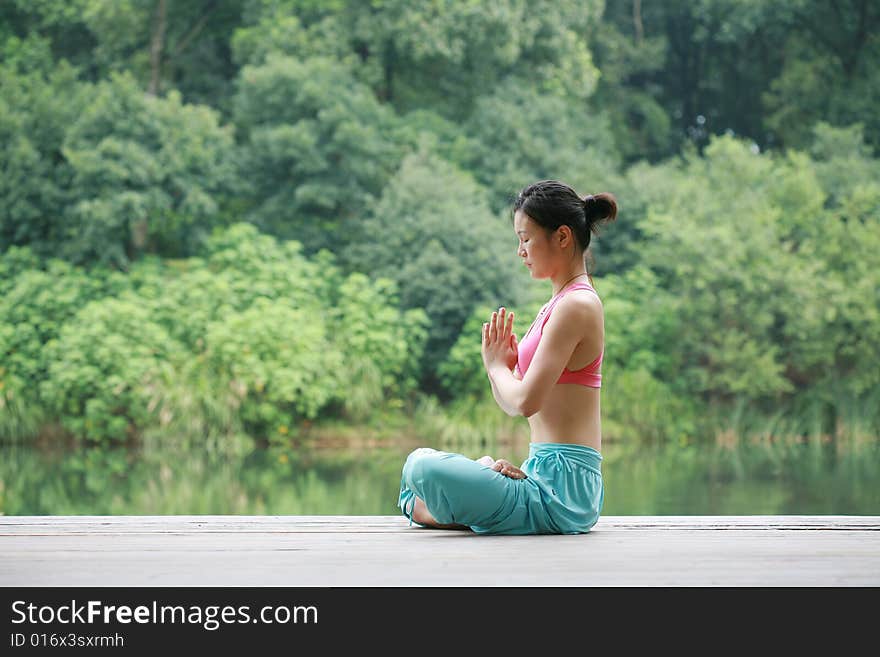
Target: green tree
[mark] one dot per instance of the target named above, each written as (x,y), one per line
(278,359)
(847,243)
(317,148)
(631,57)
(830,71)
(150,175)
(521,135)
(105,367)
(732,274)
(438,55)
(842,159)
(760,69)
(167,45)
(432,232)
(37,300)
(37,108)
(57,23)
(277,338)
(288,28)
(163,44)
(767,287)
(382,346)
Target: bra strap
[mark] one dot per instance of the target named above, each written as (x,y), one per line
(556,299)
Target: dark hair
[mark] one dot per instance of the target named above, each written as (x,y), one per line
(552,204)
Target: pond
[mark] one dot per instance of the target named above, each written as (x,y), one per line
(791,478)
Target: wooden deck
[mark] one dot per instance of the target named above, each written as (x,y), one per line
(381,551)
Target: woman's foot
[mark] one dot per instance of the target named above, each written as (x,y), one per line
(422,516)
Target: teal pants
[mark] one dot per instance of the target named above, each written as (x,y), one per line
(562,493)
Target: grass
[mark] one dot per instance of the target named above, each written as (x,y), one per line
(635,409)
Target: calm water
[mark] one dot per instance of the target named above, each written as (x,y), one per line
(809,478)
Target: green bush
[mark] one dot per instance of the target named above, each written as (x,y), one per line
(105,369)
(38,299)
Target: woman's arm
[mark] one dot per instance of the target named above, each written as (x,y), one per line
(507,407)
(560,336)
(507,390)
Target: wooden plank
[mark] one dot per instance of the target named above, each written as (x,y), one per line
(38,525)
(385,551)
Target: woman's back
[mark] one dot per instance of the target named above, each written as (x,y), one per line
(571,410)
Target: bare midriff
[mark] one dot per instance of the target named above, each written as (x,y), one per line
(570,414)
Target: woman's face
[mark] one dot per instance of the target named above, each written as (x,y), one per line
(534,248)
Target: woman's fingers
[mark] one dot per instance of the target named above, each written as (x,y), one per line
(513,473)
(503,323)
(508,469)
(499,327)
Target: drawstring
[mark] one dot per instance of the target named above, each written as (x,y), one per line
(562,461)
(558,460)
(566,458)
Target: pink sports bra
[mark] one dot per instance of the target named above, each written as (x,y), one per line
(589,375)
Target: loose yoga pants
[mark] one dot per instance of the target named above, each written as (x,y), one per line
(562,494)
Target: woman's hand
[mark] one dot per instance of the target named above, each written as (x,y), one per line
(499,346)
(508,469)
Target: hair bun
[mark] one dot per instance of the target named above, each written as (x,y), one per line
(600,208)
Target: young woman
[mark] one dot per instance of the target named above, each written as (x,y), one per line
(553,378)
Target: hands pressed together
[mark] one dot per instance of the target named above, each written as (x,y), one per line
(499,348)
(499,345)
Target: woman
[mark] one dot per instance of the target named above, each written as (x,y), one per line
(553,378)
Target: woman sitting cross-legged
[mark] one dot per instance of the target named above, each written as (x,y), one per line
(552,377)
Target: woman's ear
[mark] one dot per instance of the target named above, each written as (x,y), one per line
(564,236)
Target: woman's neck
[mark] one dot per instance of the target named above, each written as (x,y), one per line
(565,281)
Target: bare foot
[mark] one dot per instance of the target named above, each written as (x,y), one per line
(422,516)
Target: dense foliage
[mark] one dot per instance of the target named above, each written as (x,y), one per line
(251,215)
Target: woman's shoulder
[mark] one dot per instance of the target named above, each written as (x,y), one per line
(580,305)
(582,297)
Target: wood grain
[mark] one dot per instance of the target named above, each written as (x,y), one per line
(386,551)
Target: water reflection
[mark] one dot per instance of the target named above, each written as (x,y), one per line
(792,478)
